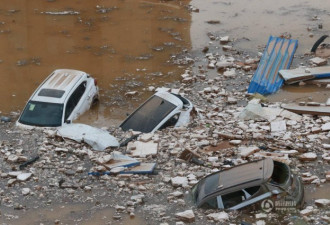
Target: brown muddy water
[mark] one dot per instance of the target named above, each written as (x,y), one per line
(127,44)
(82,214)
(124,44)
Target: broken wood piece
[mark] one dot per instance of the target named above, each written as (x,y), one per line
(313,110)
(143,168)
(230,136)
(302,74)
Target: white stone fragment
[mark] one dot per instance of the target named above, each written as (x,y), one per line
(319,61)
(306,212)
(12,158)
(224,40)
(26,191)
(179,181)
(146,137)
(230,73)
(326,127)
(223,64)
(322,202)
(186,216)
(218,217)
(246,151)
(24,176)
(235,142)
(143,149)
(278,126)
(131,93)
(309,156)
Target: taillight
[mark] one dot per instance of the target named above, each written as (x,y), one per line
(95,82)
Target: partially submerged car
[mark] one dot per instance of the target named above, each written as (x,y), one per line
(161,110)
(247,184)
(61,98)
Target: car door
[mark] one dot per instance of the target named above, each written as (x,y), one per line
(73,106)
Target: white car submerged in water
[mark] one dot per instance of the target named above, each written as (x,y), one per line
(161,110)
(61,98)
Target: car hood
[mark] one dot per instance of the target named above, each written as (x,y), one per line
(97,138)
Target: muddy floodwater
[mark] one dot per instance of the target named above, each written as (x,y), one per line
(124,44)
(128,45)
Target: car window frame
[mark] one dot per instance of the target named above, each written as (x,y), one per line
(74,99)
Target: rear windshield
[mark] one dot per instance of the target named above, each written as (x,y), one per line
(149,115)
(42,114)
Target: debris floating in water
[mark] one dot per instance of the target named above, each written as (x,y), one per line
(70,12)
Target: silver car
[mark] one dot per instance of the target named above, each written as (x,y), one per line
(247,184)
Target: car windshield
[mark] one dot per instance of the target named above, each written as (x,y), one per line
(205,187)
(149,115)
(42,114)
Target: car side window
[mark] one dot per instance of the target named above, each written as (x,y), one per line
(74,99)
(232,199)
(171,121)
(210,204)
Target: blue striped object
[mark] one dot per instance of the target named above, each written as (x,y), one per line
(278,55)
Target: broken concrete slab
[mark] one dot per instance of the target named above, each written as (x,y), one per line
(146,137)
(247,151)
(309,156)
(142,149)
(280,157)
(218,217)
(322,202)
(326,127)
(254,111)
(319,61)
(179,181)
(278,126)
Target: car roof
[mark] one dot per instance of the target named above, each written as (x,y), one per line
(170,97)
(58,85)
(249,174)
(236,178)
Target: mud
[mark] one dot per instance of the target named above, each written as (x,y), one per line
(83,214)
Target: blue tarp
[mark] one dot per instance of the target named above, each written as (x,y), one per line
(278,55)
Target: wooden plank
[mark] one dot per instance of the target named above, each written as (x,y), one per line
(121,163)
(314,110)
(302,74)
